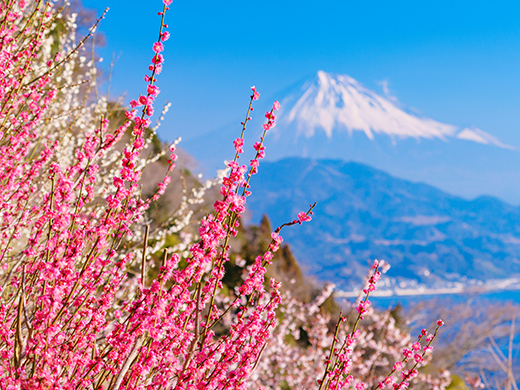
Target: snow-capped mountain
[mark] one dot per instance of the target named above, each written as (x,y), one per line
(334,116)
(334,104)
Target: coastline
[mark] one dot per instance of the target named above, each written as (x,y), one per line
(477,287)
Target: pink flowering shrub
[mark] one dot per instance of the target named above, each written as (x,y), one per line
(79,305)
(377,355)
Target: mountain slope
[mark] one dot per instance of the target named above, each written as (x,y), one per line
(431,238)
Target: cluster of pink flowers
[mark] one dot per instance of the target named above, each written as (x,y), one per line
(70,317)
(360,357)
(416,354)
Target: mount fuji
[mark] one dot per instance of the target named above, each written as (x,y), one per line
(337,103)
(335,117)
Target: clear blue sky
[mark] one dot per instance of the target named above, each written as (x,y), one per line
(454,61)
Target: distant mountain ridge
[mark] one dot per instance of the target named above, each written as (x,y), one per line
(430,238)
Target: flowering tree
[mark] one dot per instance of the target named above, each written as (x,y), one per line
(80,307)
(377,355)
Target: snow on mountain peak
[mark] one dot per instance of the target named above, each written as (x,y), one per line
(338,102)
(477,135)
(332,103)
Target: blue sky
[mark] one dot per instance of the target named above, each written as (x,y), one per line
(454,61)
